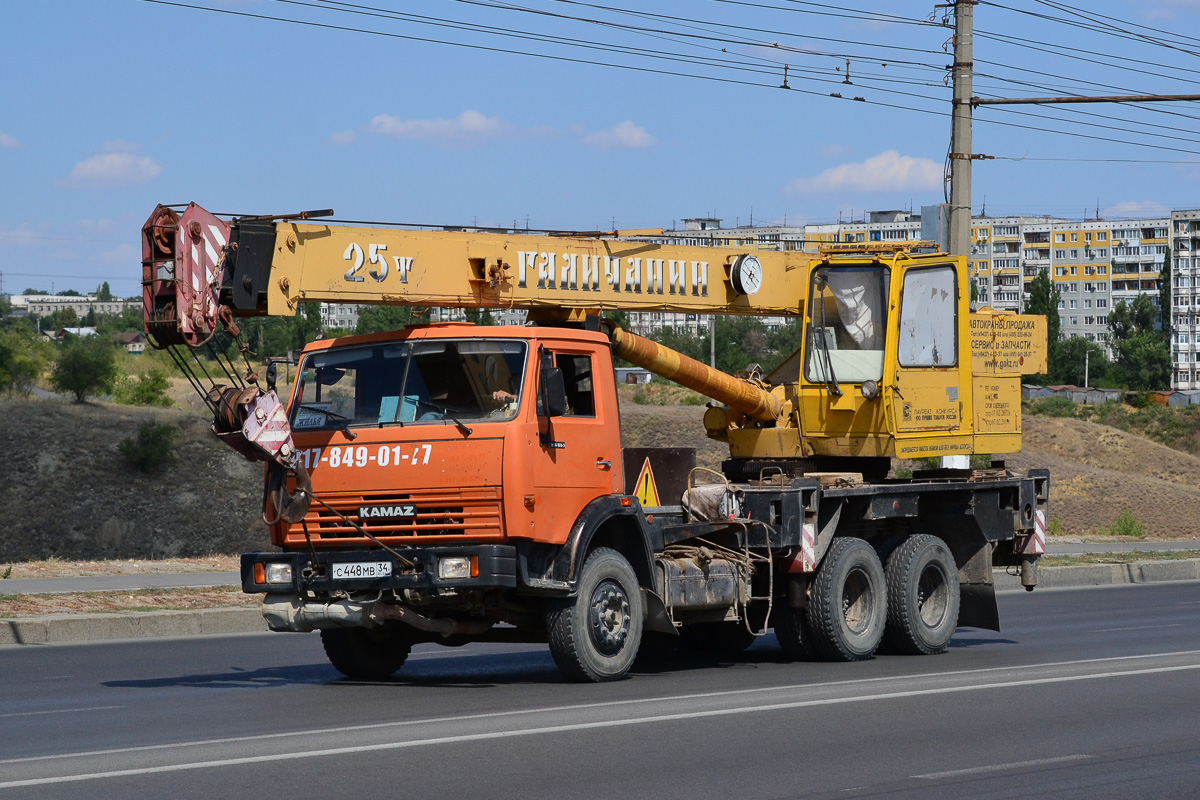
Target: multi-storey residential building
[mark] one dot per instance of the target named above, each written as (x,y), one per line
(40,305)
(338,316)
(1185,299)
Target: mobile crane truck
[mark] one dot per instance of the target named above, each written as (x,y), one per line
(453,483)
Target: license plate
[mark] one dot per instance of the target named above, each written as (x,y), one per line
(362,569)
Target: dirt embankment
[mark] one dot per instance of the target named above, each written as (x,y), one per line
(68,494)
(1096,472)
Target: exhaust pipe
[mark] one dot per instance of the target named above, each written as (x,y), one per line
(293,614)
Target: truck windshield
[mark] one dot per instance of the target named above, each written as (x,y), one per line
(430,381)
(847,325)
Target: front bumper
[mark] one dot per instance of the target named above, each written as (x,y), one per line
(497,568)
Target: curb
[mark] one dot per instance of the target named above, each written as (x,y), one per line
(158,624)
(1082,575)
(140,625)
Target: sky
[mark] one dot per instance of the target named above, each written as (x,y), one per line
(565,114)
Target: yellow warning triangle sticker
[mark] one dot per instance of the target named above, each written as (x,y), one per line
(646,491)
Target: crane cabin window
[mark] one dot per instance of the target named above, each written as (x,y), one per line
(847,324)
(443,381)
(929,318)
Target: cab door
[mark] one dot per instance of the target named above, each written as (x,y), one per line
(928,388)
(577,455)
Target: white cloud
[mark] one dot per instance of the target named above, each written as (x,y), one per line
(622,136)
(472,128)
(1169,9)
(120,146)
(8,140)
(121,254)
(108,169)
(468,127)
(1127,209)
(23,236)
(887,172)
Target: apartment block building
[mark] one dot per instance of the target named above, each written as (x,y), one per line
(1185,299)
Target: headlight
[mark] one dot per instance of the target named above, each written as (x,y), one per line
(279,573)
(454,567)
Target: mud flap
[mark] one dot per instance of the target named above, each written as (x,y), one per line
(977,606)
(657,618)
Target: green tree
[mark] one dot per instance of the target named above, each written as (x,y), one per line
(740,341)
(1141,349)
(1127,320)
(480,316)
(28,291)
(103,293)
(69,293)
(305,326)
(1077,359)
(85,366)
(130,319)
(22,362)
(378,319)
(66,318)
(1145,361)
(1044,298)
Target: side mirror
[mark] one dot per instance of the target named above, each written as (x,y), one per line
(272,376)
(552,392)
(552,401)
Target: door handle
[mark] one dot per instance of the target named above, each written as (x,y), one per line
(602,464)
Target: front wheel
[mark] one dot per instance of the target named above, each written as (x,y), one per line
(847,607)
(594,636)
(366,654)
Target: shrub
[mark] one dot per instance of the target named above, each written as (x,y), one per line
(1056,527)
(151,448)
(147,389)
(1053,407)
(1128,525)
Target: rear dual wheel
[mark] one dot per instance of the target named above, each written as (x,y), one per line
(923,596)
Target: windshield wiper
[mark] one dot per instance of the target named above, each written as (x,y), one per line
(831,381)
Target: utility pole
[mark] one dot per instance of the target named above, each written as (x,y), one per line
(712,341)
(960,129)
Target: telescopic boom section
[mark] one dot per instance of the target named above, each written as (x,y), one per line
(689,372)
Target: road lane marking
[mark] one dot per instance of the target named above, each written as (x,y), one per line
(1139,628)
(58,711)
(1039,762)
(582,726)
(583,706)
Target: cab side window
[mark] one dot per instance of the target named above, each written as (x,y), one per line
(929,318)
(577,379)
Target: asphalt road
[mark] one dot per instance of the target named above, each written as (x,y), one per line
(1087,694)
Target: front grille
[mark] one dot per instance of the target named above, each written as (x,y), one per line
(474,513)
